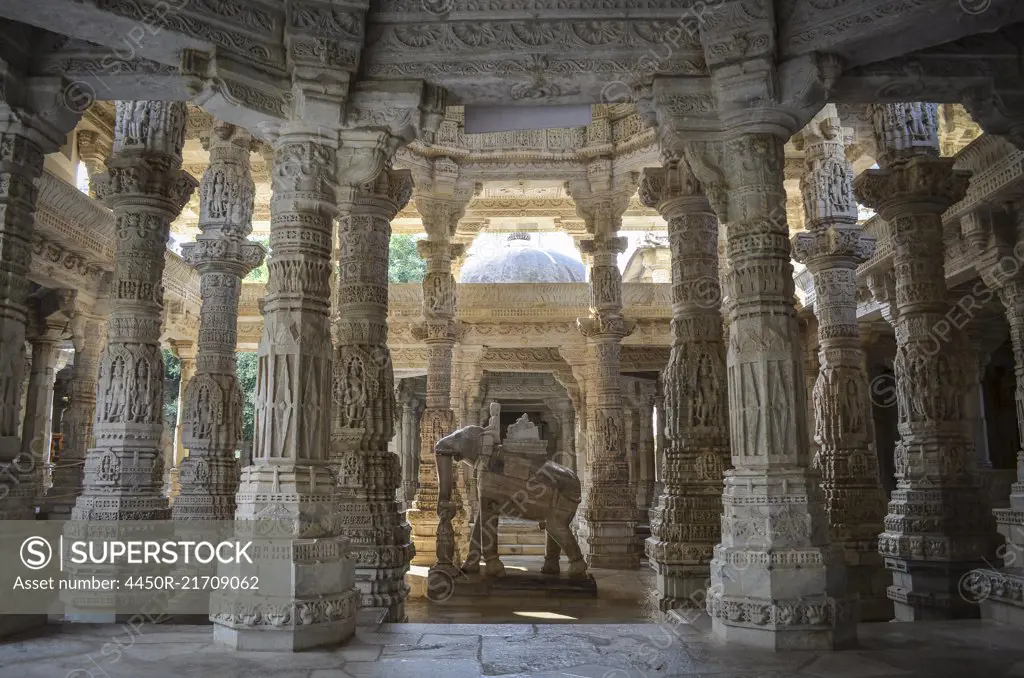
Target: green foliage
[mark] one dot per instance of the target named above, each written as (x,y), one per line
(405,264)
(172,379)
(246,365)
(259,274)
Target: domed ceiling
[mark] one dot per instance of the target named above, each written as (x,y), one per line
(520,261)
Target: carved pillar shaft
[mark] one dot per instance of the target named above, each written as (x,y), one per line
(146,188)
(21,163)
(775,579)
(686,518)
(410,451)
(210,407)
(35,442)
(290,479)
(77,425)
(364,395)
(1012,296)
(645,449)
(440,331)
(938,527)
(567,422)
(186,353)
(832,248)
(607,514)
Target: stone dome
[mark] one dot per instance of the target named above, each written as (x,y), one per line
(518,261)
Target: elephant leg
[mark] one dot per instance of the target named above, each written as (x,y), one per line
(552,552)
(472,562)
(492,564)
(559,528)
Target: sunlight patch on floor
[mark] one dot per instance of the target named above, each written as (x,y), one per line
(544,615)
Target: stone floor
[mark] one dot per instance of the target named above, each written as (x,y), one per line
(623,597)
(961,649)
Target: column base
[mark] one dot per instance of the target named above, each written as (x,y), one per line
(870,583)
(384,589)
(1001,595)
(686,594)
(931,591)
(424,536)
(779,637)
(607,544)
(266,637)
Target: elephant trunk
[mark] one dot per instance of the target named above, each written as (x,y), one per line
(444,477)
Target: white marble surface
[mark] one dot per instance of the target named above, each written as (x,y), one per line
(887,650)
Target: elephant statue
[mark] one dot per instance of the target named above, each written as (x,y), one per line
(514,485)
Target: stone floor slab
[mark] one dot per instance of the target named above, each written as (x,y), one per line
(960,649)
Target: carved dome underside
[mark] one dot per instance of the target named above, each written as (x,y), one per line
(520,262)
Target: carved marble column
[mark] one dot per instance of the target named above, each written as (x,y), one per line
(185,351)
(93,151)
(645,496)
(210,407)
(832,248)
(938,527)
(146,188)
(24,137)
(410,442)
(607,515)
(1000,591)
(89,336)
(659,441)
(364,395)
(776,581)
(686,518)
(567,429)
(439,330)
(35,441)
(290,478)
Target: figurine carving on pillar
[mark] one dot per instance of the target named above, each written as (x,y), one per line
(512,479)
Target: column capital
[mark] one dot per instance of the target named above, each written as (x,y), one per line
(673,190)
(432,250)
(183,349)
(440,214)
(602,199)
(604,245)
(912,185)
(834,247)
(361,158)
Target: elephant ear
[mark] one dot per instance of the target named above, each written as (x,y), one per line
(564,480)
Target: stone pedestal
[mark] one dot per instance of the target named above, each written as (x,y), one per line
(686,518)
